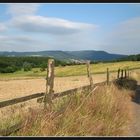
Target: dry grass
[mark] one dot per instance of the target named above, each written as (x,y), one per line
(135,75)
(105,112)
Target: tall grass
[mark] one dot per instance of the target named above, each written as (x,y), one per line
(104,112)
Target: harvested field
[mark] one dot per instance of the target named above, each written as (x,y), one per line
(17,88)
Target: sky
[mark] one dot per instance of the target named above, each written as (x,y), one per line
(114,28)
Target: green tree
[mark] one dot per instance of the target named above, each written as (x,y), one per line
(43,66)
(27,66)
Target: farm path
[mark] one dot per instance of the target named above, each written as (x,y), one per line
(135,126)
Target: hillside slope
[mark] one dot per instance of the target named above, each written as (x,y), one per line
(95,55)
(67,55)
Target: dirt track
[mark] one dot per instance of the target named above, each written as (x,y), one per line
(135,125)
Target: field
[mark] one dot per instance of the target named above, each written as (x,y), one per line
(26,83)
(16,88)
(106,101)
(76,70)
(105,112)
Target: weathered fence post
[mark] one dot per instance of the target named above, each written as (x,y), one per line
(128,72)
(107,76)
(118,76)
(49,84)
(89,74)
(122,74)
(125,74)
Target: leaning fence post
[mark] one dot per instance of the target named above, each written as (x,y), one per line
(88,74)
(107,76)
(49,84)
(128,72)
(118,76)
(122,74)
(125,76)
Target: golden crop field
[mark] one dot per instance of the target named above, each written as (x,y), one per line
(25,83)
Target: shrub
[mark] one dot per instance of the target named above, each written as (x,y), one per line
(27,66)
(43,66)
(35,71)
(126,83)
(8,69)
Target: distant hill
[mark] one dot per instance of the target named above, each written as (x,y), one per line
(55,54)
(95,55)
(67,55)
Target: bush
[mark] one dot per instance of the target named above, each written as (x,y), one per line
(130,84)
(35,71)
(27,66)
(8,69)
(43,66)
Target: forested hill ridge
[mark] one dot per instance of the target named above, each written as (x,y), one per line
(131,58)
(67,55)
(96,55)
(10,62)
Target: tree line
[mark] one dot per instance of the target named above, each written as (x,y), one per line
(12,64)
(131,58)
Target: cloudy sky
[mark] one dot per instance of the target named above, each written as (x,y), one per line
(114,28)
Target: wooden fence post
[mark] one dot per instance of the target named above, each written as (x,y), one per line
(122,74)
(125,74)
(107,76)
(49,84)
(88,74)
(118,76)
(128,72)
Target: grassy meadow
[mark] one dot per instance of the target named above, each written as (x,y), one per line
(75,70)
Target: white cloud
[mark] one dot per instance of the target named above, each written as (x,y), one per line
(129,29)
(2,27)
(19,43)
(26,28)
(55,26)
(24,18)
(16,38)
(18,9)
(125,38)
